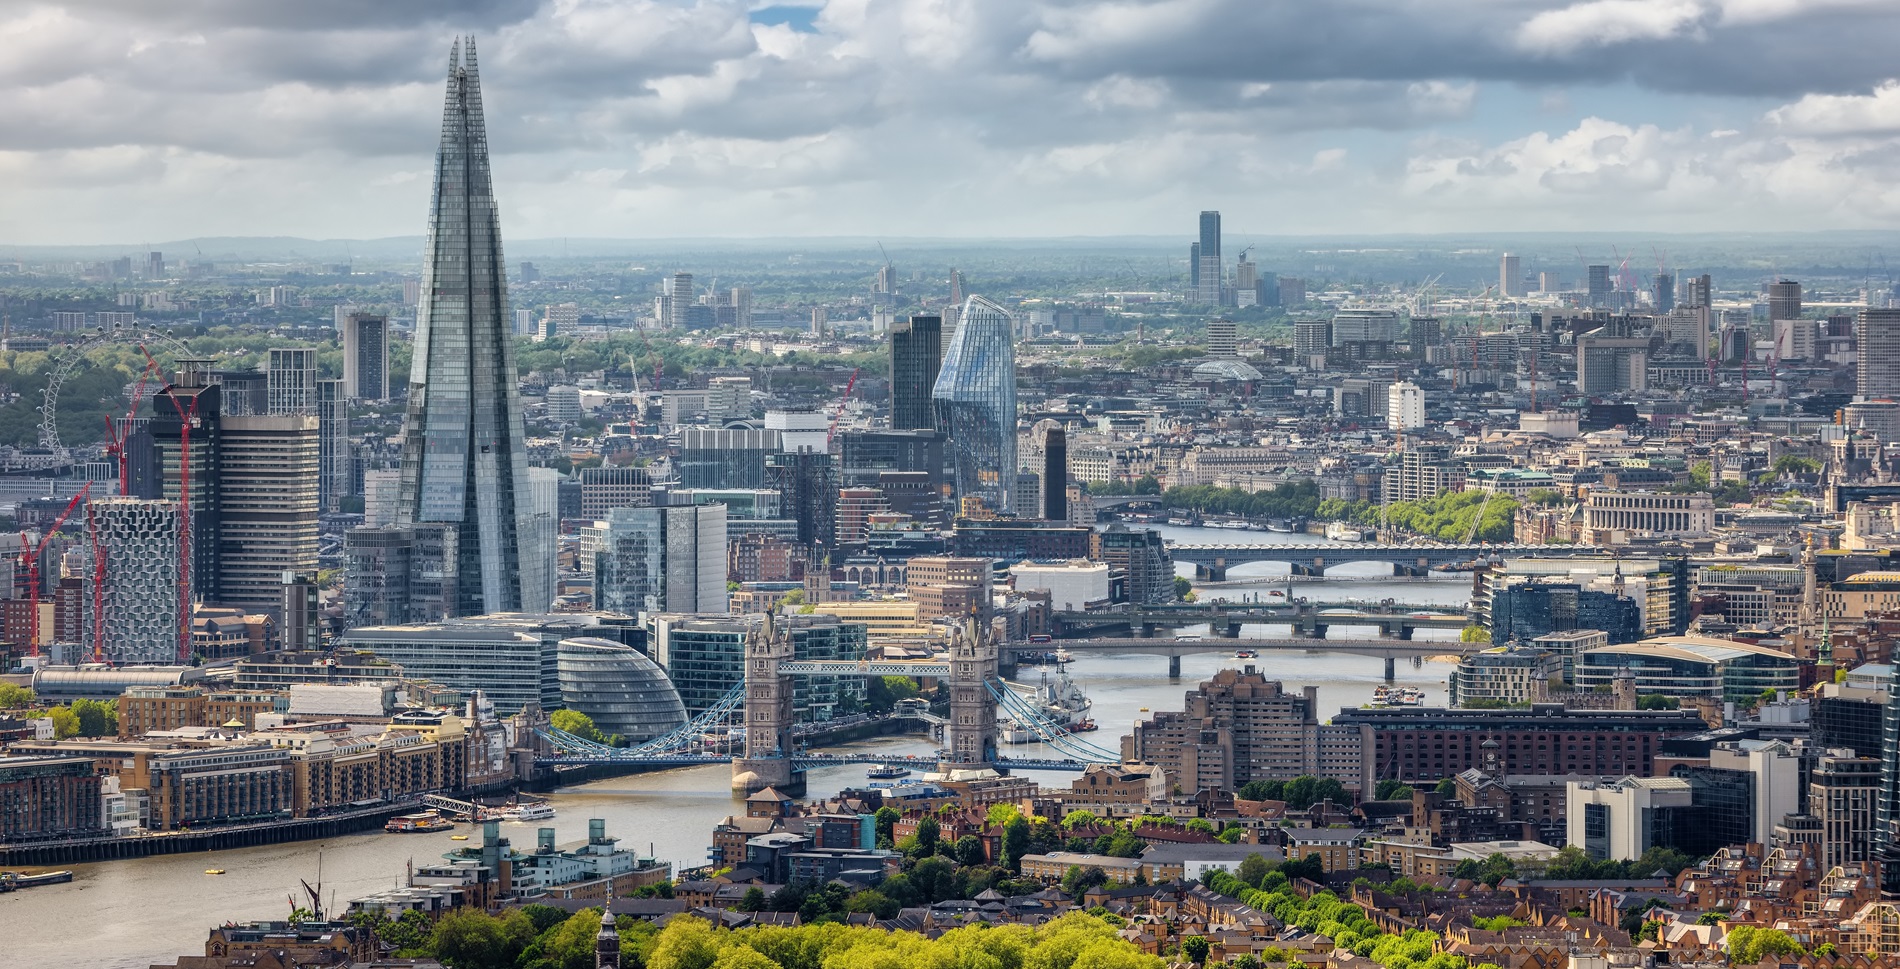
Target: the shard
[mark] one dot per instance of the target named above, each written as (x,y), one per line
(463,460)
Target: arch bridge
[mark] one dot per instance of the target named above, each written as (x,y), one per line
(1212,560)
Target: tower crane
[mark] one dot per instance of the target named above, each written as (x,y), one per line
(838,414)
(32,555)
(115,433)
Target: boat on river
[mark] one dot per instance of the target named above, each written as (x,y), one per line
(13,880)
(425,823)
(1062,705)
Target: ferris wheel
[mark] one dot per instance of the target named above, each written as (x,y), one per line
(70,361)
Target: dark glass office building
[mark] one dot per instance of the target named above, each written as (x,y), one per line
(1526,611)
(916,357)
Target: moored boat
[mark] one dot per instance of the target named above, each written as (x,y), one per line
(423,823)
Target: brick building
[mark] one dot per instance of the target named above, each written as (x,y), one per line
(1432,743)
(49,797)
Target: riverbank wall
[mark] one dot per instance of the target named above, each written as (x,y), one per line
(209,839)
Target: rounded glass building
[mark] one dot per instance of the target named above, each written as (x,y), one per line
(623,692)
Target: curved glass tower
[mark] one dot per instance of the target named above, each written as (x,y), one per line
(463,461)
(975,403)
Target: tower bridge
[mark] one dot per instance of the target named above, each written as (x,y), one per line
(762,707)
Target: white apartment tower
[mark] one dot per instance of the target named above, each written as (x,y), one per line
(1405,406)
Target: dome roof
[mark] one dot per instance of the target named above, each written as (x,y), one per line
(619,688)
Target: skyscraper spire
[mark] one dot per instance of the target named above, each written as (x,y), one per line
(463,459)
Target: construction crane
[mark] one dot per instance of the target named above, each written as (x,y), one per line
(115,433)
(838,414)
(32,555)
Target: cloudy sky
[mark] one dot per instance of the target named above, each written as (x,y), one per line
(129,120)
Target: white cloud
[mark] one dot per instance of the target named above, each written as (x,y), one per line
(123,118)
(1602,23)
(1877,113)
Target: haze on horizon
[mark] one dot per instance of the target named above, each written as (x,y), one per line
(122,120)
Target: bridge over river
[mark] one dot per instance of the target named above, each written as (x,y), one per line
(1212,560)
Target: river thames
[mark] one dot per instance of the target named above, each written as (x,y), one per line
(132,914)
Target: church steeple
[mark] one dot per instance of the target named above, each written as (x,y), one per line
(607,941)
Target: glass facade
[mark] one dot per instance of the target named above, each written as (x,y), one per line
(916,358)
(975,401)
(463,461)
(705,658)
(1526,611)
(622,691)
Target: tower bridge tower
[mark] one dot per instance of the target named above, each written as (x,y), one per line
(767,758)
(970,736)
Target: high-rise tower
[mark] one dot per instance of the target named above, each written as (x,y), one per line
(1208,283)
(916,357)
(463,461)
(975,400)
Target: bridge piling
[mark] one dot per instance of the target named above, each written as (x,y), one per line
(1391,668)
(1174,667)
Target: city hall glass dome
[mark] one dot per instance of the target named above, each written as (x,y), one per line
(620,689)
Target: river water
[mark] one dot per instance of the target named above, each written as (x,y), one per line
(132,914)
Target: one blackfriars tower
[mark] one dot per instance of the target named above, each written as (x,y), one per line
(463,460)
(975,402)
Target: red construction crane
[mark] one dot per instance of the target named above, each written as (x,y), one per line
(115,433)
(838,414)
(32,555)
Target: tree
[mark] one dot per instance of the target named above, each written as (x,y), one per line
(577,723)
(873,902)
(1183,587)
(1077,818)
(881,693)
(1657,701)
(1390,790)
(1015,842)
(886,821)
(1201,825)
(568,944)
(1230,835)
(1748,945)
(753,900)
(65,722)
(96,718)
(969,850)
(685,943)
(14,697)
(1474,634)
(1195,948)
(1447,788)
(1254,869)
(472,939)
(1306,790)
(928,830)
(1001,814)
(1077,881)
(1262,791)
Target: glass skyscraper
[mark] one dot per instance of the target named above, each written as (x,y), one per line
(975,401)
(463,462)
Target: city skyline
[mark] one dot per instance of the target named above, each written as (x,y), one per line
(727,121)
